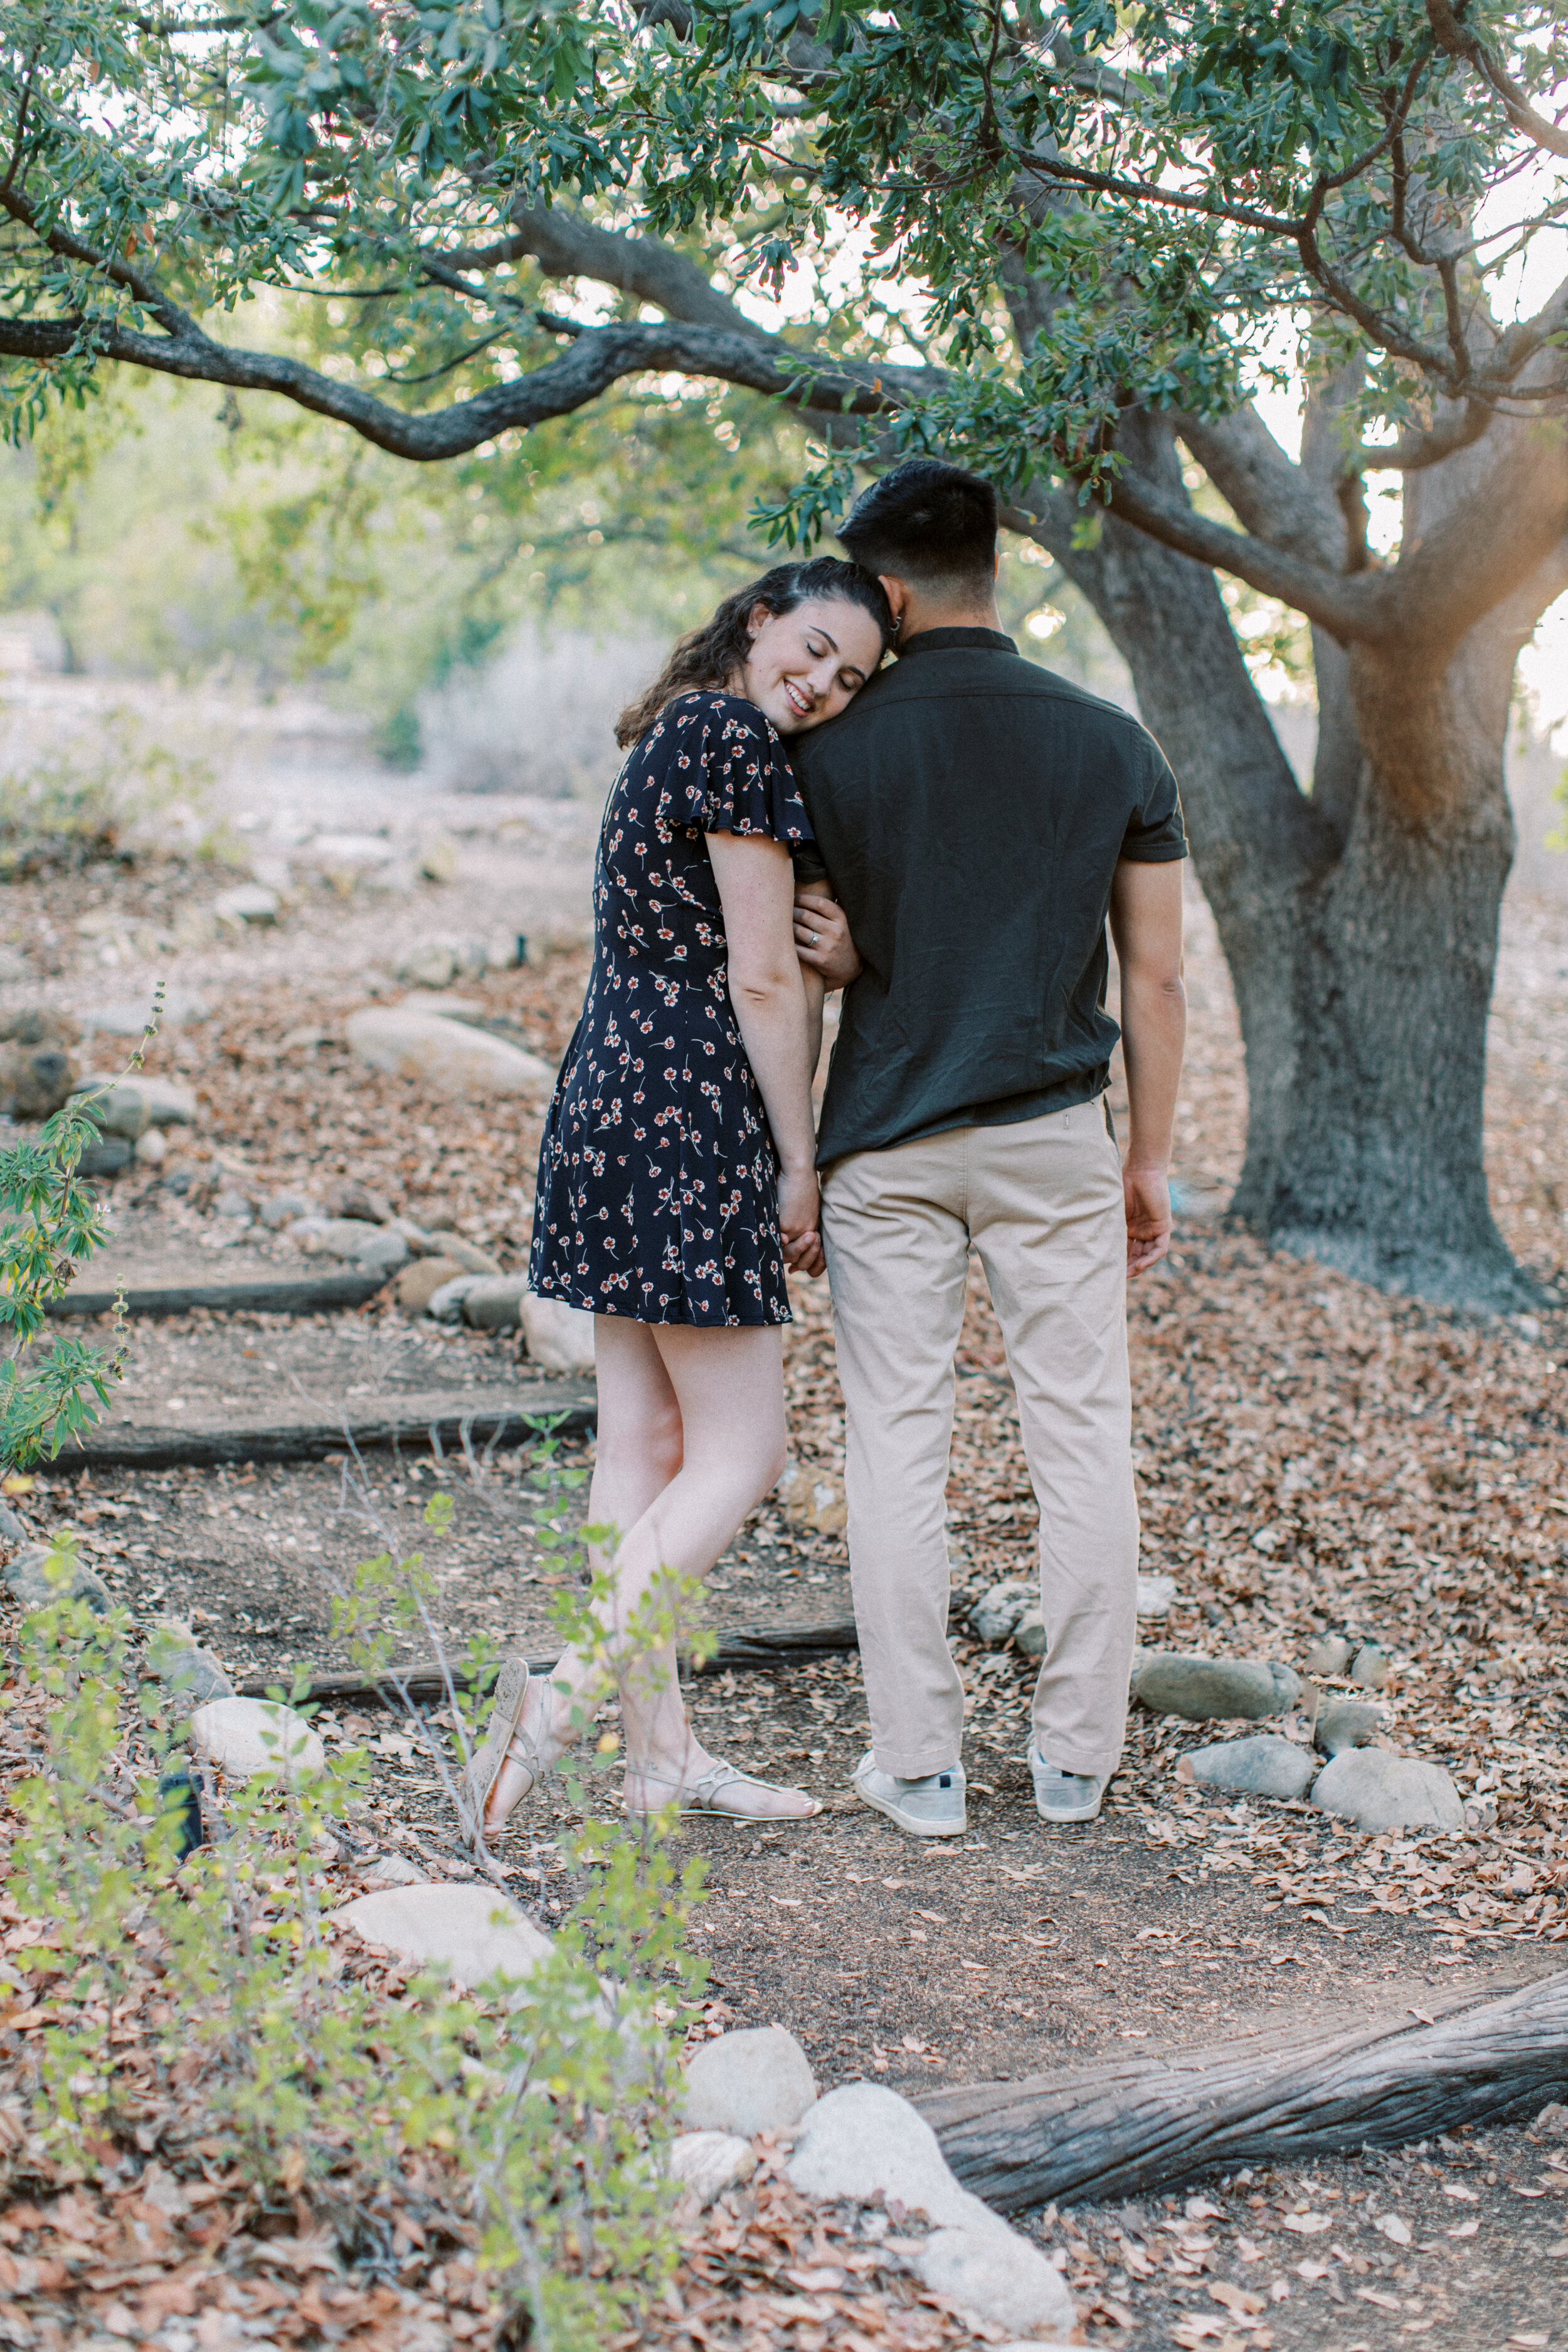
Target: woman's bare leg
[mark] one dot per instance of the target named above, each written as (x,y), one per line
(727,1388)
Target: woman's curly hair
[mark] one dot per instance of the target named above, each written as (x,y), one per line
(710,656)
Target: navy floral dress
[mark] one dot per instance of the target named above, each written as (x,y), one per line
(658,1194)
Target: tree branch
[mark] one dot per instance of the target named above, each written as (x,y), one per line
(1463,41)
(1271,497)
(565,245)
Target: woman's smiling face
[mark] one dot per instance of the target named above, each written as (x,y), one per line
(806,665)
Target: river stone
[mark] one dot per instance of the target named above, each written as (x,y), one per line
(28,1583)
(129,1106)
(1378,1790)
(446,1304)
(865,2142)
(284,1209)
(1349,1723)
(1029,1634)
(1207,1690)
(1155,1595)
(1371,1666)
(494,1302)
(422,1278)
(351,1239)
(759,2079)
(432,964)
(1264,1766)
(996,1612)
(351,1199)
(191,1674)
(12,1528)
(244,1737)
(705,2163)
(447,1055)
(558,1336)
(470,1932)
(1330,1656)
(248,902)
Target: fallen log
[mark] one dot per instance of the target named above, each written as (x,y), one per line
(282,1294)
(424,1683)
(418,1423)
(1119,2126)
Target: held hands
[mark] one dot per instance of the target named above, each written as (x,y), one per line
(800,1218)
(822,938)
(1147,1194)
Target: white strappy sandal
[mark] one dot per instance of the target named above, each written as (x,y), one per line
(699,1796)
(505,1739)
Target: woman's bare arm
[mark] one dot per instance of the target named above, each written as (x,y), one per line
(756,889)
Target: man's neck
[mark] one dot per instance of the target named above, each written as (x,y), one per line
(918,615)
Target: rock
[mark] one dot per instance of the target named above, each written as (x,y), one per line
(36,1074)
(232,1202)
(446,1054)
(757,2080)
(244,1737)
(1029,1634)
(421,1279)
(106,1157)
(31,1586)
(1349,1723)
(129,1106)
(351,1239)
(438,860)
(1330,1656)
(177,1659)
(1552,2120)
(997,1612)
(12,1528)
(1205,1690)
(1265,1766)
(470,1933)
(394,1870)
(1382,1792)
(283,1209)
(446,1304)
(1371,1666)
(248,902)
(353,1198)
(468,1254)
(705,2163)
(505,951)
(1155,1594)
(432,964)
(558,1336)
(812,1498)
(495,1302)
(129,1019)
(152,1148)
(864,2142)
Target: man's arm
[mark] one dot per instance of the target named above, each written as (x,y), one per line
(1146,925)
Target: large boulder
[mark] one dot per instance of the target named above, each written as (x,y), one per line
(447,1055)
(247,1737)
(1379,1791)
(469,1933)
(1208,1690)
(757,2080)
(866,2143)
(558,1336)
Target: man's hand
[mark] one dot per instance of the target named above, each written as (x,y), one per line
(1147,1193)
(822,940)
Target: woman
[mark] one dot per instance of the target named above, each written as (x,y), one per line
(676,1179)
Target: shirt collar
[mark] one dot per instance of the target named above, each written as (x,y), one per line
(947,641)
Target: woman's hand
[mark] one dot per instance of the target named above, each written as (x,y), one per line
(822,938)
(800,1220)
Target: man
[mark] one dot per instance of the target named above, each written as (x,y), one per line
(980,819)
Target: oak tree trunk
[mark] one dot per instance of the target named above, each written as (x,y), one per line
(1359,921)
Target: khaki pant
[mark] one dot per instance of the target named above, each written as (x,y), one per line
(1042,1204)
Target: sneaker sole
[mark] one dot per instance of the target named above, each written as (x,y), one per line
(1072,1813)
(907,1821)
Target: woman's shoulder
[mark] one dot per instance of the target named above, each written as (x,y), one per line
(709,708)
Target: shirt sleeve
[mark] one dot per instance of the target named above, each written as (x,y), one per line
(1155,834)
(726,772)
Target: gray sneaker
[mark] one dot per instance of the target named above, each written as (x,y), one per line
(1064,1796)
(928,1807)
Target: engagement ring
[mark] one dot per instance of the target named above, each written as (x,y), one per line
(811,939)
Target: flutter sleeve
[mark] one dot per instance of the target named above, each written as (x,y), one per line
(725,771)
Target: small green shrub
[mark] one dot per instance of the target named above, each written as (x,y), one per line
(78,804)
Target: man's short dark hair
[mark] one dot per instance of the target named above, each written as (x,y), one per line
(928,523)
